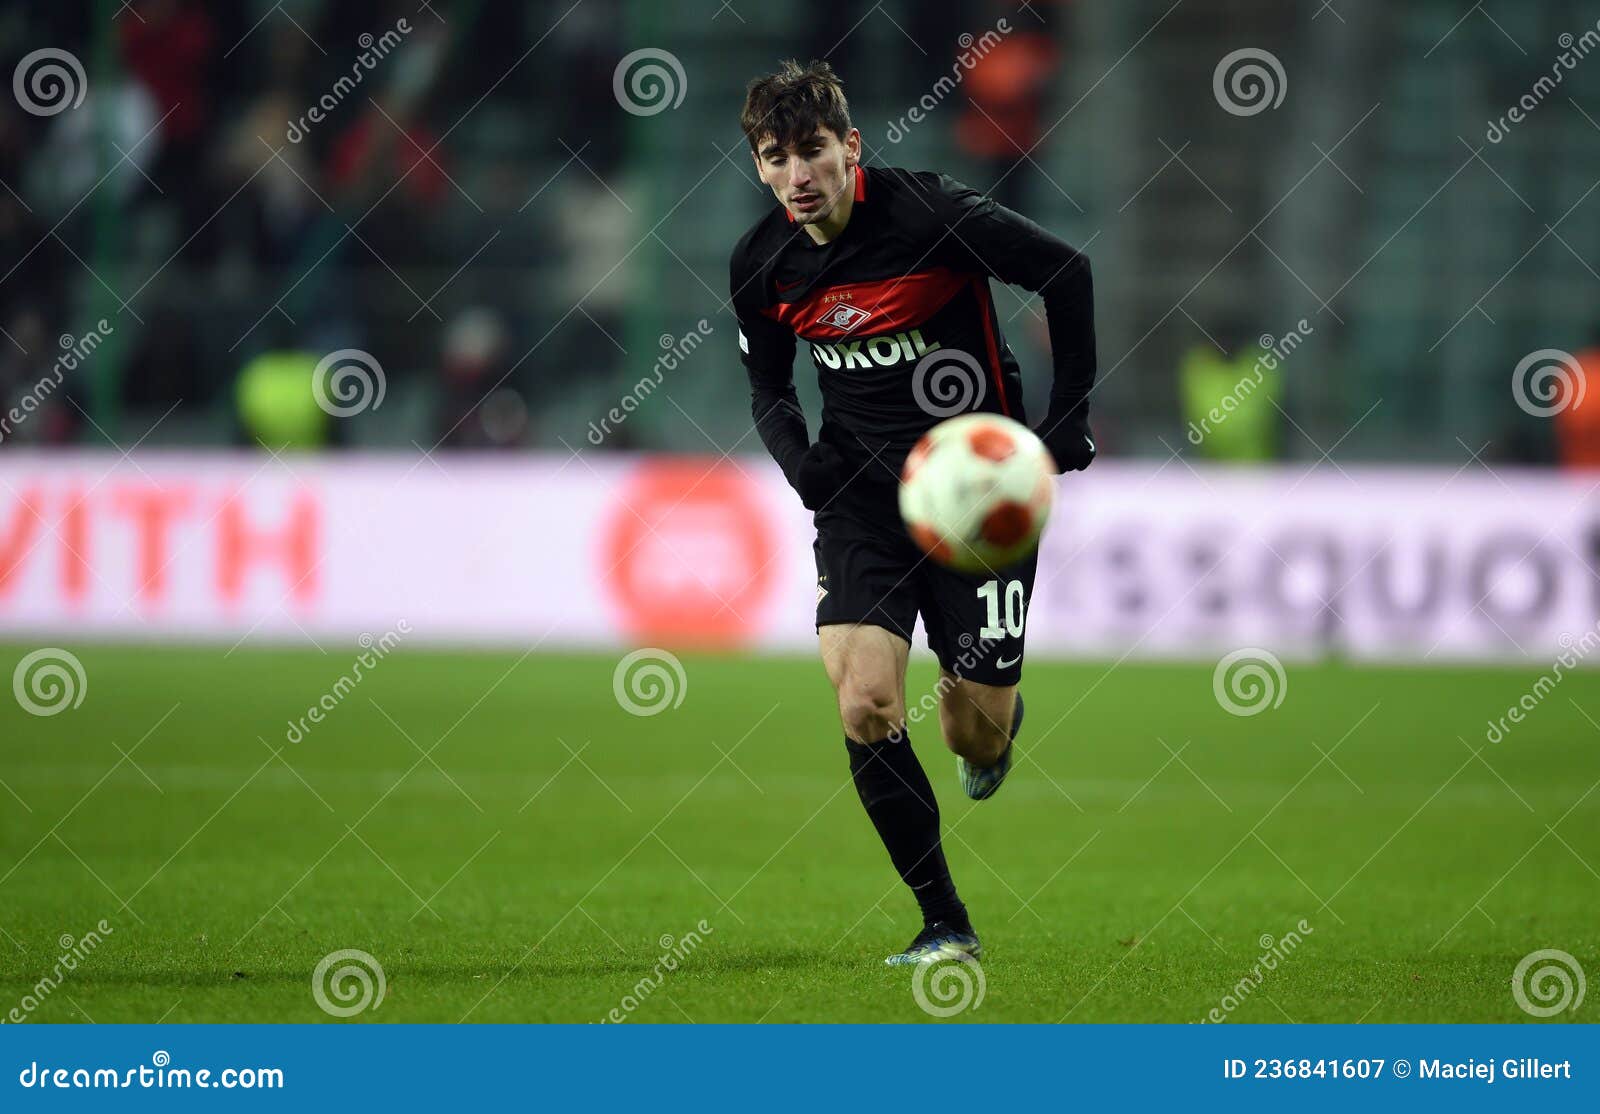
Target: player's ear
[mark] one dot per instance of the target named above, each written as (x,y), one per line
(852,148)
(761,171)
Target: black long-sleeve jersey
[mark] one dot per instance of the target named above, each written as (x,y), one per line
(909,275)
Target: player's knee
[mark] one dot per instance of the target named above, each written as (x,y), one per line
(870,711)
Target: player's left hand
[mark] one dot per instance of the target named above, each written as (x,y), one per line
(1069,442)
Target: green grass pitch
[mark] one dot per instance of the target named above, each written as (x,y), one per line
(528,867)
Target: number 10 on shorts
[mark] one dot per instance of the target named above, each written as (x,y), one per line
(1015,615)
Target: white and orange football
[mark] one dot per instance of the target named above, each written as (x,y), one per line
(976,490)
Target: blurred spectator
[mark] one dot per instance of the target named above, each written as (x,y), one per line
(31,266)
(278,189)
(1577,411)
(479,406)
(165,365)
(1230,398)
(591,41)
(82,147)
(169,50)
(375,153)
(1005,91)
(389,164)
(34,390)
(277,407)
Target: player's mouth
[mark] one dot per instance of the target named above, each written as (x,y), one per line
(805,202)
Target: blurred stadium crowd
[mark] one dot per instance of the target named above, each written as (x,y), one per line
(239,194)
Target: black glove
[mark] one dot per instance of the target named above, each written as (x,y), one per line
(1069,441)
(822,472)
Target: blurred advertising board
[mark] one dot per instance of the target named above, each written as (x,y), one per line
(606,550)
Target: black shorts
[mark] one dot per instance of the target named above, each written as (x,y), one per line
(870,571)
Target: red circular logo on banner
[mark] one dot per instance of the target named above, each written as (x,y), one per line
(689,552)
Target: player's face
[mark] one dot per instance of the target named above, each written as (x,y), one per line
(809,177)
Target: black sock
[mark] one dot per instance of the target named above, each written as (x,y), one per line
(901,804)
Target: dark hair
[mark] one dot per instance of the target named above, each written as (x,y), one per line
(793,103)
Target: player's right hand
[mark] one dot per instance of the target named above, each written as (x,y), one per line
(1069,441)
(821,474)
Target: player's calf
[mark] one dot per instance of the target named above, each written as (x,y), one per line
(980,725)
(976,719)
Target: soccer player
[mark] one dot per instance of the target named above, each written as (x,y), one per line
(875,268)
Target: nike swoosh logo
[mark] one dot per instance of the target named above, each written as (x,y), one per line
(1002,663)
(785,287)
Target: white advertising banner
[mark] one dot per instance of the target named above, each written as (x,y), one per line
(1141,559)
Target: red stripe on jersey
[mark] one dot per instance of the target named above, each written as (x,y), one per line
(980,287)
(879,306)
